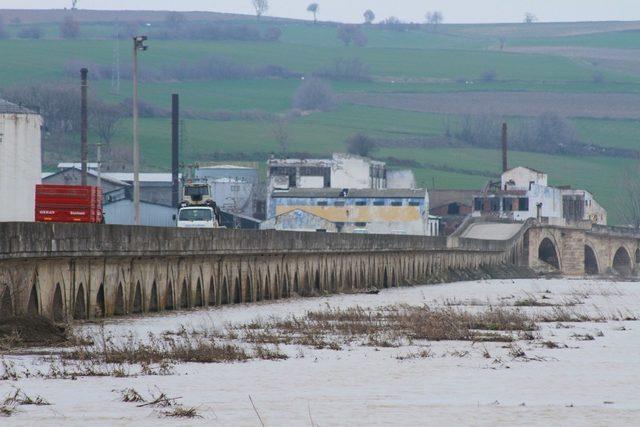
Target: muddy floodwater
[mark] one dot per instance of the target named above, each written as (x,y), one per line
(575,361)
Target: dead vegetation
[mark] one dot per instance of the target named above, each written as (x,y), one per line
(12,401)
(30,331)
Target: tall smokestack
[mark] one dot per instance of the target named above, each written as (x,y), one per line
(84,149)
(175,148)
(505,164)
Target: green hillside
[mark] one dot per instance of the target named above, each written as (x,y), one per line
(234,118)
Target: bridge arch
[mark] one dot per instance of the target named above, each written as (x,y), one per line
(548,253)
(184,295)
(212,292)
(119,305)
(591,266)
(169,303)
(136,302)
(6,302)
(637,256)
(33,306)
(199,300)
(100,303)
(153,297)
(622,262)
(80,306)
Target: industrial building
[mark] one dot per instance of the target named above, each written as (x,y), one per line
(365,211)
(236,189)
(20,161)
(524,193)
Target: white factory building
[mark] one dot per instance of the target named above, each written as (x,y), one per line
(20,161)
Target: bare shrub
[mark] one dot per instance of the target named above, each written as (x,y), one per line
(31,33)
(351,69)
(361,145)
(314,94)
(272,34)
(19,397)
(69,28)
(130,395)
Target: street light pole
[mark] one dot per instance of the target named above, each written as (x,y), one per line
(138,44)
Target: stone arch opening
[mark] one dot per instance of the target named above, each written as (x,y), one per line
(184,295)
(224,292)
(6,303)
(100,303)
(316,282)
(119,307)
(212,292)
(237,291)
(638,256)
(622,262)
(136,305)
(248,290)
(153,302)
(385,279)
(296,283)
(169,303)
(394,283)
(547,253)
(58,305)
(33,307)
(590,261)
(80,307)
(199,302)
(267,287)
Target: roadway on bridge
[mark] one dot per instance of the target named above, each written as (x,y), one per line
(491,231)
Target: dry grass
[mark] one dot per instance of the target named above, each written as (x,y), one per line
(182,412)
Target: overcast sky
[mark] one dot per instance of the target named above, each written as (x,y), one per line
(409,10)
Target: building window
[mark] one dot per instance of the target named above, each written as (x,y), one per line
(361,203)
(523,204)
(396,203)
(361,224)
(338,204)
(414,203)
(494,203)
(322,203)
(378,203)
(477,203)
(507,203)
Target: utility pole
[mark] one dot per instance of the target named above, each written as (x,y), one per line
(83,126)
(138,44)
(175,148)
(505,164)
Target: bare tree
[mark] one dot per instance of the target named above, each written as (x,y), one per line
(69,28)
(261,7)
(530,18)
(361,145)
(352,33)
(369,16)
(281,134)
(314,8)
(434,19)
(314,94)
(175,20)
(74,4)
(503,42)
(628,203)
(104,120)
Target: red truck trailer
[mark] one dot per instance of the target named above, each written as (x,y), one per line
(68,203)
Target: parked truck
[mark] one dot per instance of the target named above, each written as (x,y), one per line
(68,203)
(197,208)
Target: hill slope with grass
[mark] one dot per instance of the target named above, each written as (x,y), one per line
(431,98)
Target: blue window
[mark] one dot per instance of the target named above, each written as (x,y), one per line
(378,203)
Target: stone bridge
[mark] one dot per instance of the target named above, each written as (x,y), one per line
(80,271)
(594,251)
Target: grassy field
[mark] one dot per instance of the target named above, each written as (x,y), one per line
(454,59)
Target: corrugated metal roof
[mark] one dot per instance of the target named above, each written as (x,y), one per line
(366,193)
(7,107)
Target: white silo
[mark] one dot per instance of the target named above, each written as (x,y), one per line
(20,161)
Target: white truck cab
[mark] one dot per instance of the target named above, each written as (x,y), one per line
(197,217)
